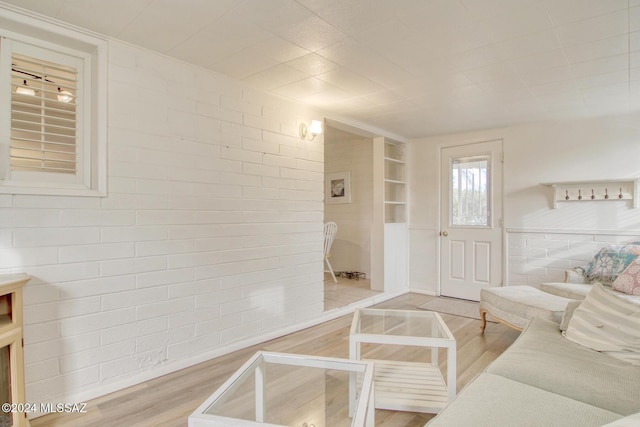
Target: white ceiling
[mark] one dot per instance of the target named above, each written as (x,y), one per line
(412,67)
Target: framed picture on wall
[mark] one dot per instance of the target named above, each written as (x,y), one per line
(337,187)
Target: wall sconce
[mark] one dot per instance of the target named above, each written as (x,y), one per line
(25,90)
(314,129)
(64,95)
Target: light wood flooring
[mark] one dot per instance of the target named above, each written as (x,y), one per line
(167,401)
(345,292)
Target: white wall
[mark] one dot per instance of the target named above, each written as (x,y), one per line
(211,234)
(541,242)
(351,250)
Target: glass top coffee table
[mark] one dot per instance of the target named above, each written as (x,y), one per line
(407,386)
(279,389)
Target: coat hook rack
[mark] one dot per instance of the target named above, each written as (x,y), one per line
(579,191)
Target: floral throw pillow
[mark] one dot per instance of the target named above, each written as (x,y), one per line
(610,262)
(629,281)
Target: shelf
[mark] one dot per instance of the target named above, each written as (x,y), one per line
(391,202)
(394,181)
(593,191)
(407,386)
(5,319)
(391,159)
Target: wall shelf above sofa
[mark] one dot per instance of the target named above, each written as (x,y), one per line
(604,190)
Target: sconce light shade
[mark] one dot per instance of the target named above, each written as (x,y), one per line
(25,90)
(64,96)
(314,129)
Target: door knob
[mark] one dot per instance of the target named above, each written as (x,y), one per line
(444,233)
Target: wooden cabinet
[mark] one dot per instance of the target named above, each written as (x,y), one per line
(12,389)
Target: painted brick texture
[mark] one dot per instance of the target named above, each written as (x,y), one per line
(211,232)
(536,257)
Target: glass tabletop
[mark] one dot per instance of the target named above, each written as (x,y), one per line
(404,323)
(290,390)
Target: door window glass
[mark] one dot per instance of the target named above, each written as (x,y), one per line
(470,191)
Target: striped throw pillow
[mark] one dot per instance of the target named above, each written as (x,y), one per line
(607,323)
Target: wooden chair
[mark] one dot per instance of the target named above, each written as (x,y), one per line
(330,230)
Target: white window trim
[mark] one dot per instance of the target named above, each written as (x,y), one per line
(16,25)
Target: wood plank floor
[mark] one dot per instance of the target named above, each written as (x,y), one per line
(168,401)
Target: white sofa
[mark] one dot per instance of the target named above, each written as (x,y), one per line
(576,286)
(544,380)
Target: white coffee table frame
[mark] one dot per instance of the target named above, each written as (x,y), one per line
(362,410)
(408,386)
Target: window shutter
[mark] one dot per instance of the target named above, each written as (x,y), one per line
(44,134)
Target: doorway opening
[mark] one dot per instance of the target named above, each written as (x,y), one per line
(349,171)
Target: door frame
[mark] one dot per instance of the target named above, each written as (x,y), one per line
(500,163)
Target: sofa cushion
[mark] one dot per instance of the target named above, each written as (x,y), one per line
(609,263)
(567,290)
(492,400)
(630,421)
(607,323)
(568,314)
(629,281)
(543,358)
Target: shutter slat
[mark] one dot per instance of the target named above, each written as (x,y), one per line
(43,128)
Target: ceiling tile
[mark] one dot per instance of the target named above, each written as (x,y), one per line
(551,75)
(275,77)
(551,90)
(507,84)
(487,8)
(388,35)
(48,8)
(311,33)
(100,15)
(490,72)
(437,16)
(566,11)
(634,40)
(539,61)
(279,49)
(456,40)
(517,23)
(271,15)
(163,24)
(301,89)
(617,77)
(598,49)
(634,18)
(312,64)
(531,44)
(600,66)
(355,16)
(588,30)
(357,84)
(328,96)
(243,64)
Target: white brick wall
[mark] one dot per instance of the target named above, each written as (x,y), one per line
(211,233)
(536,257)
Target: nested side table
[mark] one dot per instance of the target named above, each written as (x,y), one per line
(407,386)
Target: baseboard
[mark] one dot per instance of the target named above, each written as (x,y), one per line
(423,292)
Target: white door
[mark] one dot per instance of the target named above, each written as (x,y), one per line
(471,219)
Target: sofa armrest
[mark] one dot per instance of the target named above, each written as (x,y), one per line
(575,275)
